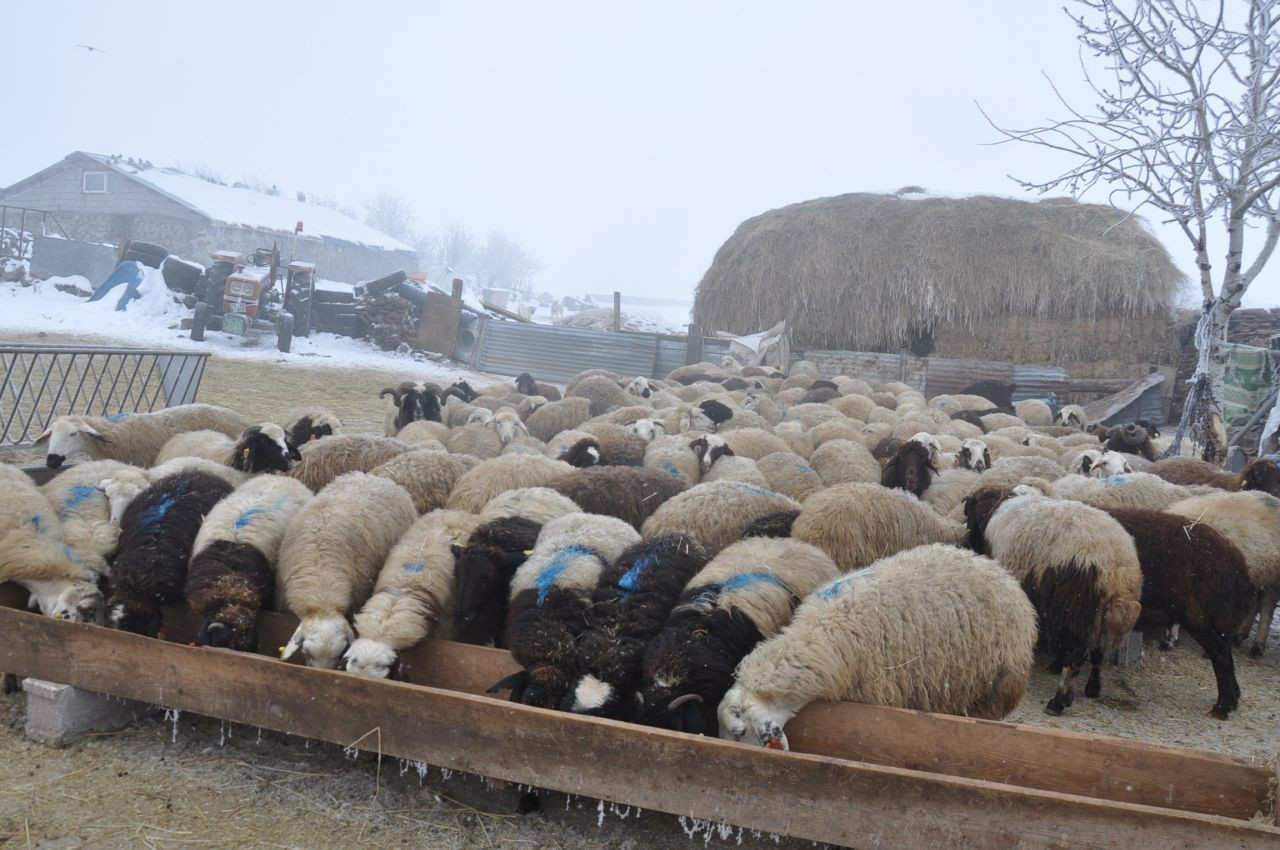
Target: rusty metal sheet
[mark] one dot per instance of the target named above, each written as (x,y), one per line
(556,354)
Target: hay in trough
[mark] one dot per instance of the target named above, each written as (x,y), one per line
(875,272)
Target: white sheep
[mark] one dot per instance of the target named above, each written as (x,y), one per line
(90,521)
(132,438)
(932,629)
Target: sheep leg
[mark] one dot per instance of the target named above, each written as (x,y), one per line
(1093,687)
(1056,665)
(1268,609)
(1218,646)
(1065,694)
(1170,638)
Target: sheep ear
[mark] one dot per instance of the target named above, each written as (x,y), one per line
(291,649)
(1086,464)
(456,550)
(399,671)
(44,436)
(294,454)
(986,457)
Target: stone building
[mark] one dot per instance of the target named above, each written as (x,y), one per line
(109,199)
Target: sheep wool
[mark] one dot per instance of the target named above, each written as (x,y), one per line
(413,597)
(491,477)
(858,524)
(1140,490)
(790,475)
(324,460)
(631,495)
(556,416)
(157,534)
(934,628)
(133,438)
(428,476)
(211,445)
(843,462)
(550,593)
(716,513)
(746,593)
(331,555)
(231,575)
(78,496)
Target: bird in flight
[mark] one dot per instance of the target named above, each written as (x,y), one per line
(91,49)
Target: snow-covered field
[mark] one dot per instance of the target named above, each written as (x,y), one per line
(154,320)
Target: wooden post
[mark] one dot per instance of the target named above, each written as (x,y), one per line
(457,288)
(617,311)
(693,345)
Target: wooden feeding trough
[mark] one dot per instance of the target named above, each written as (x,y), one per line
(858,775)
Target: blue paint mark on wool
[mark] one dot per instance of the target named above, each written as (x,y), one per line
(744,487)
(78,495)
(37,522)
(670,468)
(152,515)
(1115,479)
(805,468)
(248,514)
(117,417)
(413,567)
(631,578)
(835,588)
(548,575)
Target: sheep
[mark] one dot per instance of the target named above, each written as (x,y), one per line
(773,525)
(603,394)
(233,477)
(330,556)
(1083,461)
(715,513)
(133,438)
(459,389)
(745,594)
(629,607)
(1258,474)
(539,504)
(672,456)
(744,419)
(1034,411)
(428,476)
(855,406)
(529,404)
(482,572)
(325,460)
(810,415)
(33,553)
(1078,566)
(479,416)
(631,495)
(475,439)
(1104,465)
(647,429)
(949,489)
(911,468)
(1009,471)
(1072,416)
(857,524)
(89,524)
(617,445)
(957,402)
(1193,577)
(122,488)
(1248,520)
(1131,438)
(1129,490)
(790,475)
(157,533)
(424,434)
(974,455)
(211,445)
(311,423)
(527,385)
(639,386)
(231,573)
(885,635)
(843,462)
(413,597)
(554,417)
(489,478)
(753,443)
(409,402)
(550,594)
(719,463)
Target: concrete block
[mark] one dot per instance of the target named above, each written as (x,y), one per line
(58,715)
(1130,652)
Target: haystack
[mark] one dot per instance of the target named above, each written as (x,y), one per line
(948,276)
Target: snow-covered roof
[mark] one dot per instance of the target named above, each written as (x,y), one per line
(242,206)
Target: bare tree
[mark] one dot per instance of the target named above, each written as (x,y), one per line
(392,214)
(333,203)
(1187,122)
(455,248)
(503,262)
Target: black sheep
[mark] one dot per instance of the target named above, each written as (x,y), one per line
(999,393)
(629,607)
(482,577)
(911,468)
(1193,577)
(1131,438)
(772,525)
(527,385)
(156,535)
(227,584)
(263,448)
(310,427)
(583,454)
(414,401)
(462,390)
(629,493)
(718,412)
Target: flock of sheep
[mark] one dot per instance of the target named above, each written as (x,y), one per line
(708,553)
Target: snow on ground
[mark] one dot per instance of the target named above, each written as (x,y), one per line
(154,320)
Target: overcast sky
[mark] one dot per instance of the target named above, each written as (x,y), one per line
(621,145)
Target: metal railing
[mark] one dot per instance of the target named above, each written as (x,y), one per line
(16,239)
(41,382)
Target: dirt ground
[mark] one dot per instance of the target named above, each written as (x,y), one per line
(218,785)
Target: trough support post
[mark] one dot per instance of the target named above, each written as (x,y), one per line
(617,311)
(1129,654)
(58,715)
(693,345)
(457,289)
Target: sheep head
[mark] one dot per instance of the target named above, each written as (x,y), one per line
(582,454)
(974,455)
(263,448)
(120,492)
(709,449)
(910,469)
(639,386)
(131,614)
(978,509)
(590,695)
(1261,474)
(1109,463)
(1088,459)
(482,577)
(506,423)
(526,384)
(372,658)
(231,626)
(66,436)
(321,640)
(73,600)
(745,716)
(647,429)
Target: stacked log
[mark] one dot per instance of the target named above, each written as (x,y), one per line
(388,320)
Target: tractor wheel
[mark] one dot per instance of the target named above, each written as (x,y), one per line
(149,260)
(284,332)
(199,320)
(147,248)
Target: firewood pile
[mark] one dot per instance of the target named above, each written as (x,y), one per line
(388,320)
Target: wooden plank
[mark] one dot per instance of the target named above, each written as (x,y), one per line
(438,325)
(617,312)
(1105,408)
(1033,757)
(806,796)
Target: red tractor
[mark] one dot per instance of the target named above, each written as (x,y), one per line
(241,293)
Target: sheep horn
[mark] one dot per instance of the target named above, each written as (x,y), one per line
(681,700)
(393,392)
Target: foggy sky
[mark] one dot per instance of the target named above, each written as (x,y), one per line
(621,145)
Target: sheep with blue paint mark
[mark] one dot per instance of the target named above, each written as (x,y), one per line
(330,558)
(671,455)
(1140,490)
(745,594)
(790,475)
(717,513)
(231,575)
(413,597)
(34,554)
(157,533)
(934,628)
(550,594)
(629,607)
(90,523)
(134,438)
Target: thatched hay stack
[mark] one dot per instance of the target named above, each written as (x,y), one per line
(879,272)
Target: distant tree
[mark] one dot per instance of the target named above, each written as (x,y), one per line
(1185,122)
(258,183)
(505,263)
(330,202)
(455,248)
(392,214)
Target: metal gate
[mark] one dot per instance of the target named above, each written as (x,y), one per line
(41,382)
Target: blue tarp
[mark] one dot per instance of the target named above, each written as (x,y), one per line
(129,273)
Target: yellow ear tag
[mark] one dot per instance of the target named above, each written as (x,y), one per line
(528,552)
(244,453)
(282,649)
(160,635)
